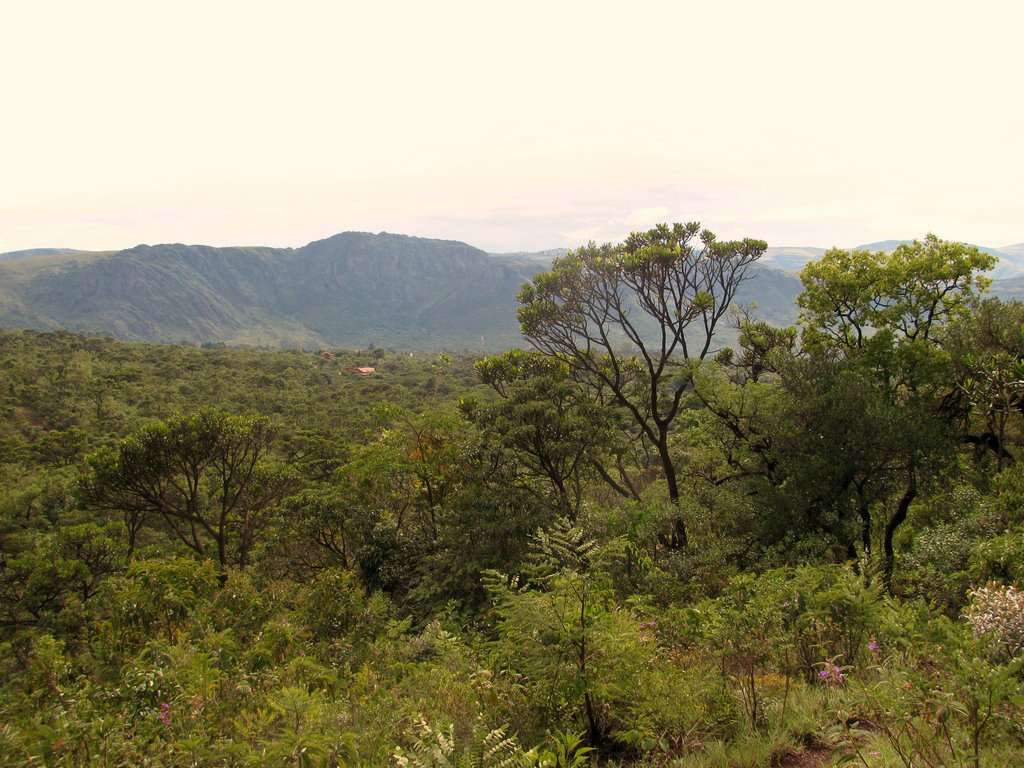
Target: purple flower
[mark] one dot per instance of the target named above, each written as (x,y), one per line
(165,714)
(872,646)
(831,674)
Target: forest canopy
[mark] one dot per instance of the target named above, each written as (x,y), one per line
(626,544)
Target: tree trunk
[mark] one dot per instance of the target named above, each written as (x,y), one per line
(890,529)
(676,537)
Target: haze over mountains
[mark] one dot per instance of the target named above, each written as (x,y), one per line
(1010,264)
(352,290)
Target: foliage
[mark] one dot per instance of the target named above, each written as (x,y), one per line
(996,617)
(943,711)
(659,295)
(202,476)
(805,623)
(863,301)
(437,748)
(885,317)
(419,578)
(546,421)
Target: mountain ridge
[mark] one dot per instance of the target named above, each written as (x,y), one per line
(794,258)
(352,289)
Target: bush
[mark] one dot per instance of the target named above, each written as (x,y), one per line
(996,618)
(157,597)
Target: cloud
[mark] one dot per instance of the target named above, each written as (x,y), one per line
(645,218)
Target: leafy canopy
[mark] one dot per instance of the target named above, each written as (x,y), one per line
(630,319)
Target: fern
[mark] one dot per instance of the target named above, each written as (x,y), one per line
(561,547)
(496,750)
(436,748)
(431,748)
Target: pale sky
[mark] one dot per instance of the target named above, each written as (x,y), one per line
(513,126)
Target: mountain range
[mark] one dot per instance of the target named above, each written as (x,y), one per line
(1010,258)
(353,290)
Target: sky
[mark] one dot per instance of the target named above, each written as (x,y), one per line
(511,126)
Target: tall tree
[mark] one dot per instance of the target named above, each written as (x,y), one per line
(555,432)
(862,301)
(885,317)
(205,476)
(844,435)
(630,320)
(988,355)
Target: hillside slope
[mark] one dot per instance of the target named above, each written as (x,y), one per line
(354,289)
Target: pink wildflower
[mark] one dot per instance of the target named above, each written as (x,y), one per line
(831,674)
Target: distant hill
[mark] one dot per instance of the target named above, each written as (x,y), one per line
(773,294)
(545,257)
(882,245)
(1016,250)
(790,259)
(793,259)
(352,290)
(1008,288)
(31,252)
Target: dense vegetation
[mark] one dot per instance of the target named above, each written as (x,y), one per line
(628,546)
